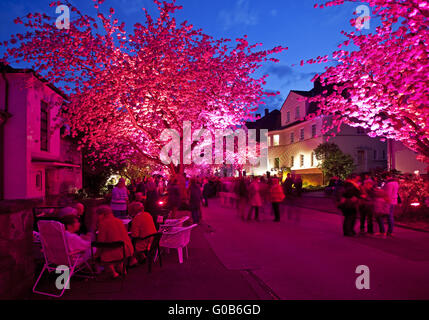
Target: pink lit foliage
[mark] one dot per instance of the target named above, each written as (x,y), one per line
(383,85)
(126,88)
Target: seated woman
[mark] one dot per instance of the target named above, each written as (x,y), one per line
(111,229)
(75,242)
(141,226)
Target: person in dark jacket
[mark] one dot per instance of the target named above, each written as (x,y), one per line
(173,201)
(348,203)
(152,197)
(195,196)
(287,185)
(206,192)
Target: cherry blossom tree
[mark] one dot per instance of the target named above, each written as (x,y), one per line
(126,88)
(383,85)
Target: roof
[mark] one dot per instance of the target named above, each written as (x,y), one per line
(8,69)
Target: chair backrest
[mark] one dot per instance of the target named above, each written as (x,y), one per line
(54,242)
(154,244)
(177,237)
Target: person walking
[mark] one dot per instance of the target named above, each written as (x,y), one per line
(276,197)
(348,203)
(173,200)
(240,189)
(195,196)
(119,199)
(254,199)
(298,185)
(391,188)
(366,205)
(381,209)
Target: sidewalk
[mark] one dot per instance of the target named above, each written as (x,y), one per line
(319,201)
(200,277)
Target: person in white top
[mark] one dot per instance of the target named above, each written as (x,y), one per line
(76,243)
(119,199)
(391,188)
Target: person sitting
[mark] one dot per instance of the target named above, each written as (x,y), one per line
(142,226)
(75,242)
(111,229)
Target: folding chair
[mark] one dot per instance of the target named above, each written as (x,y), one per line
(153,248)
(56,254)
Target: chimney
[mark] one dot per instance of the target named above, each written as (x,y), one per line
(258,115)
(266,112)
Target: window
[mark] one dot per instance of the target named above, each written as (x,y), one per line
(375,154)
(360,130)
(312,159)
(302,134)
(384,154)
(276,140)
(292,161)
(277,163)
(301,160)
(313,130)
(269,141)
(292,137)
(297,113)
(44,126)
(360,157)
(39,180)
(288,117)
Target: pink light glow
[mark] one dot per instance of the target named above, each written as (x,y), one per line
(415,204)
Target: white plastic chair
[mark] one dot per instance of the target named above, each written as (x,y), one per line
(177,238)
(56,253)
(174,222)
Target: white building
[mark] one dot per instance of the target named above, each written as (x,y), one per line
(292,146)
(35,161)
(403,159)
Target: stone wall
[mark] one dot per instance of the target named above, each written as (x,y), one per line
(16,248)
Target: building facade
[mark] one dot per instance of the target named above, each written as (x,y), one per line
(402,159)
(292,146)
(37,161)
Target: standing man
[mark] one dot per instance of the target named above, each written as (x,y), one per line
(276,196)
(119,199)
(349,202)
(391,188)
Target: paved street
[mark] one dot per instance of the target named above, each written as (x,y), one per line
(306,257)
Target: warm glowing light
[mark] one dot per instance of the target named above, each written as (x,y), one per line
(161,203)
(415,204)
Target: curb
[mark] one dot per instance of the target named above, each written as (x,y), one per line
(399,225)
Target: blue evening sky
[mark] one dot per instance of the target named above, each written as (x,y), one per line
(307,31)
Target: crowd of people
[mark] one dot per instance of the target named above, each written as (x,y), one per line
(371,199)
(368,197)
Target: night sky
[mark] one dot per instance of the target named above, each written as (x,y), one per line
(307,31)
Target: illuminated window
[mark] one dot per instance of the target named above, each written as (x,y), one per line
(276,140)
(313,130)
(288,117)
(269,141)
(292,161)
(302,134)
(292,137)
(312,159)
(301,160)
